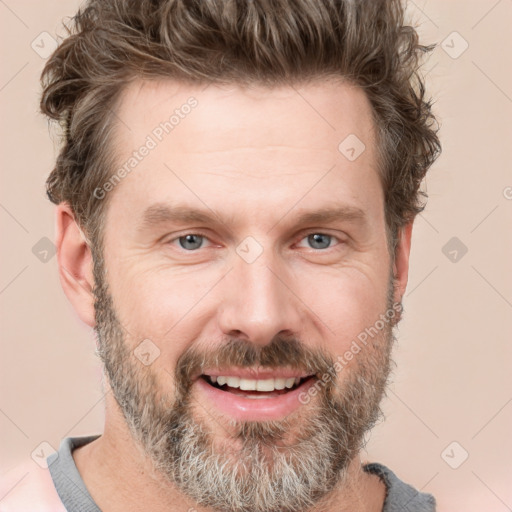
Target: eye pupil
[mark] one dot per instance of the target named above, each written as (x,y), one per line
(194,240)
(319,238)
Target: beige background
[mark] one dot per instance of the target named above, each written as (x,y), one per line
(453,376)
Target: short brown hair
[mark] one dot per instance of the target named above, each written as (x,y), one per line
(267,42)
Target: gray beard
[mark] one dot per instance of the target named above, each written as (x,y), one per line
(258,466)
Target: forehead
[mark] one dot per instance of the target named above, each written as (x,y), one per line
(322,111)
(253,147)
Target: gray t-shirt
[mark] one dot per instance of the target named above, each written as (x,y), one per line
(400,497)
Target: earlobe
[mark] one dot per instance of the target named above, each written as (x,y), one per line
(401,264)
(75,263)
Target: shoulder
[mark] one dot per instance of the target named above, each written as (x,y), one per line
(29,487)
(400,495)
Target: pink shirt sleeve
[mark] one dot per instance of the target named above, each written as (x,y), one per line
(28,487)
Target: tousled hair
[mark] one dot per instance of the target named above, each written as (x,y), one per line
(265,42)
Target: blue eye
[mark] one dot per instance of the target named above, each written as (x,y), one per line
(319,240)
(191,241)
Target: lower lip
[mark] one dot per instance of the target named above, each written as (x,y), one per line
(254,409)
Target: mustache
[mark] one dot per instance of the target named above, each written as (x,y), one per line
(281,352)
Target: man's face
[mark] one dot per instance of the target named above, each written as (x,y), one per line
(256,293)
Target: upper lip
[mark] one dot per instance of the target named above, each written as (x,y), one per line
(248,373)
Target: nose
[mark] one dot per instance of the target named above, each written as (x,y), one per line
(258,302)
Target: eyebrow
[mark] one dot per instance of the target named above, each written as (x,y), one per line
(161,213)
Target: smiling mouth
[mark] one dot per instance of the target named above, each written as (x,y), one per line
(252,388)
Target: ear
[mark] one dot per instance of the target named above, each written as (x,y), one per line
(74,259)
(401,264)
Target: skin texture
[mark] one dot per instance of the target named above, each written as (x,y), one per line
(258,158)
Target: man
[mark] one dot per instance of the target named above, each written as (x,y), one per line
(235,198)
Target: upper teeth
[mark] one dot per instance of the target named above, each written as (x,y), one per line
(255,385)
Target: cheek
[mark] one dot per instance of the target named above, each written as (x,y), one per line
(345,303)
(157,303)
